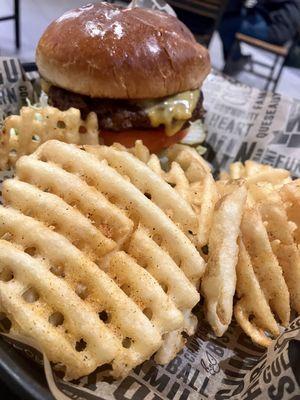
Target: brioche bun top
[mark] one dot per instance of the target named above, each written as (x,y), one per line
(103,50)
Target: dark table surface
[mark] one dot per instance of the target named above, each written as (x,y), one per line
(20,377)
(6,393)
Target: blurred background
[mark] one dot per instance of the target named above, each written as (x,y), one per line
(257,42)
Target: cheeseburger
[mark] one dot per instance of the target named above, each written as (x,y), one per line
(139,70)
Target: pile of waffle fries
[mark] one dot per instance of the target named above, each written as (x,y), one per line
(104,252)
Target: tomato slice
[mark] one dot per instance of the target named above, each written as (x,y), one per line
(156,140)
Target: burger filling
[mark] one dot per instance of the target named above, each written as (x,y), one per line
(173,113)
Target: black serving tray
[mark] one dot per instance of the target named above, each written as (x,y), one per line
(24,378)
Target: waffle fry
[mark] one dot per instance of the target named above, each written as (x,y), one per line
(191,177)
(57,214)
(147,182)
(135,204)
(267,248)
(189,160)
(254,172)
(265,264)
(145,291)
(290,194)
(123,260)
(252,311)
(109,233)
(236,170)
(77,193)
(219,282)
(161,266)
(70,269)
(280,232)
(24,133)
(202,188)
(260,297)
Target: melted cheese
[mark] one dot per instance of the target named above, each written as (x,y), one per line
(172,112)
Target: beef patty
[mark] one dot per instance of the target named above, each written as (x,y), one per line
(113,114)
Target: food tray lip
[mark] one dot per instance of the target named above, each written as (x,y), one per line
(19,377)
(30,384)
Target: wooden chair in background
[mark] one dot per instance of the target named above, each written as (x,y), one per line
(275,68)
(16,17)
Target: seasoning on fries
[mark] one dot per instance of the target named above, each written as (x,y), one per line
(103,252)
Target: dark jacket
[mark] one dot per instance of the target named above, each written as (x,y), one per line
(234,6)
(283,17)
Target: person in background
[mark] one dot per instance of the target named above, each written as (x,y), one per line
(274,21)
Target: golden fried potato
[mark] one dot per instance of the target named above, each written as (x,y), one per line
(254,172)
(280,231)
(91,267)
(237,170)
(193,179)
(290,194)
(252,310)
(265,264)
(24,133)
(219,282)
(149,183)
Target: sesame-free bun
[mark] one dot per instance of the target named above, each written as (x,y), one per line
(102,50)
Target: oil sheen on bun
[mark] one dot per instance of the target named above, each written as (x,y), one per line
(102,50)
